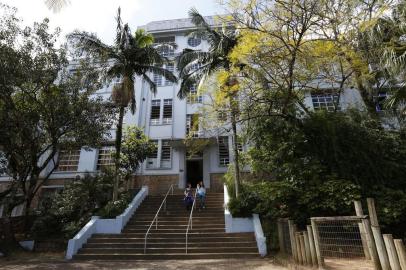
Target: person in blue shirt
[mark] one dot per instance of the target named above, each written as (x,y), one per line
(201,194)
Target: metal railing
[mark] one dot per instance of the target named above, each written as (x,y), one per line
(190,223)
(155,219)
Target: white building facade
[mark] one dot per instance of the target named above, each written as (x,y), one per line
(168,120)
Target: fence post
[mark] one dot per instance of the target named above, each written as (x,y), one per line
(392,254)
(320,259)
(303,248)
(312,247)
(292,239)
(307,248)
(360,212)
(400,248)
(371,244)
(376,231)
(299,248)
(281,236)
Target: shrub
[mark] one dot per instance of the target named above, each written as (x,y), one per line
(115,208)
(65,213)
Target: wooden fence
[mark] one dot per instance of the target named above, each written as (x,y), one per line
(346,242)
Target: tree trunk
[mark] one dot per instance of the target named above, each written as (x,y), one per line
(119,134)
(235,148)
(8,241)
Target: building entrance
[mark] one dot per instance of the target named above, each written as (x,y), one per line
(194,171)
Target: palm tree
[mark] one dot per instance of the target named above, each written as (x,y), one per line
(130,56)
(386,46)
(221,43)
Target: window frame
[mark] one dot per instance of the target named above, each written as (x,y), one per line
(194,41)
(320,102)
(69,167)
(167,104)
(155,104)
(223,161)
(101,166)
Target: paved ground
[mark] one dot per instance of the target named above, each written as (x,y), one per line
(251,264)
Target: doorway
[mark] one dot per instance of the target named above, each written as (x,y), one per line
(194,171)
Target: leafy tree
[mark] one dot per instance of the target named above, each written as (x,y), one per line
(130,56)
(136,148)
(44,108)
(221,42)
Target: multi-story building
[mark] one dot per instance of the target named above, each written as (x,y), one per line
(168,120)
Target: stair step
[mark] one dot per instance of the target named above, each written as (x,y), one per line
(173,223)
(207,239)
(168,256)
(176,227)
(153,250)
(170,244)
(165,231)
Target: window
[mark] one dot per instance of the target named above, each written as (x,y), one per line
(224,158)
(152,159)
(68,160)
(192,97)
(47,193)
(194,42)
(194,66)
(105,158)
(157,79)
(170,67)
(18,210)
(167,111)
(325,101)
(165,45)
(221,116)
(192,125)
(240,147)
(155,111)
(380,101)
(165,154)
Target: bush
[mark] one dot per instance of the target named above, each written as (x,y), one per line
(321,163)
(65,213)
(298,201)
(115,208)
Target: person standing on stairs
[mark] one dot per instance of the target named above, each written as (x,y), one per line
(188,200)
(201,193)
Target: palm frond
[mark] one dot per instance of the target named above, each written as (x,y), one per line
(160,71)
(151,84)
(191,56)
(197,18)
(142,38)
(56,5)
(90,43)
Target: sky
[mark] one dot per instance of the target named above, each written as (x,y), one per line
(98,16)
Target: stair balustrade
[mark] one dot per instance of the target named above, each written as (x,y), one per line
(155,219)
(190,223)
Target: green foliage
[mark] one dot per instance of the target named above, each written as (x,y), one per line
(330,145)
(296,200)
(67,212)
(135,149)
(38,116)
(115,208)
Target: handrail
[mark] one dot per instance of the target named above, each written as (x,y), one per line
(156,218)
(190,223)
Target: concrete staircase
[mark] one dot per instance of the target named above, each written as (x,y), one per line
(207,240)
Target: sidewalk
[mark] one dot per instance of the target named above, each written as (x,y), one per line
(235,264)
